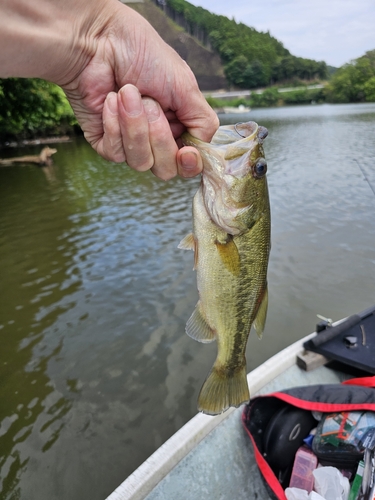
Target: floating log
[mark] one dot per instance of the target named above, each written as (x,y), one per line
(44,158)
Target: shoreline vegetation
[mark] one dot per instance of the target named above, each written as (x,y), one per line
(34,111)
(46,116)
(259,66)
(273,96)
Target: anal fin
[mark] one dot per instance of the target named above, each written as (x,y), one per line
(197,327)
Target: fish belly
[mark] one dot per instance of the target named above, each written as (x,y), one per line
(231,279)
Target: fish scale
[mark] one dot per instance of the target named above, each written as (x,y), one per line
(231,241)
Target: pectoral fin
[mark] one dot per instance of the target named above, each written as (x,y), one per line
(260,319)
(190,243)
(229,255)
(198,328)
(187,243)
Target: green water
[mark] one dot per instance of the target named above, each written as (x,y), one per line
(95,369)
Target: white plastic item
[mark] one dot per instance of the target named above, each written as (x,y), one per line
(315,496)
(298,494)
(331,484)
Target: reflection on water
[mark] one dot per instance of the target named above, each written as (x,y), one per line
(95,368)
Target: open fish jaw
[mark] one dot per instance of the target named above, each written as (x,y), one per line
(229,158)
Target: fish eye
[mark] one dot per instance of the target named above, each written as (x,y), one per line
(260,168)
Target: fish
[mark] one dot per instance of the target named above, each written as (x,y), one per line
(231,240)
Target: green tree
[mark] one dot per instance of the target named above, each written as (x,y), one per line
(269,97)
(256,75)
(30,106)
(353,82)
(259,56)
(369,89)
(235,70)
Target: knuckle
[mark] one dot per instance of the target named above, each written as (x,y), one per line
(141,165)
(118,158)
(114,152)
(163,174)
(216,121)
(137,136)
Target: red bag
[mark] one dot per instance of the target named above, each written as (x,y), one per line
(278,423)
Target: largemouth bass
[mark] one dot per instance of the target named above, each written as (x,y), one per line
(231,241)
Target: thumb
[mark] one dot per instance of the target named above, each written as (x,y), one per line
(189,162)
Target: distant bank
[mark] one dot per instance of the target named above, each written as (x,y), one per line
(223,94)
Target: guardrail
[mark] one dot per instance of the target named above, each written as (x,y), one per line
(244,93)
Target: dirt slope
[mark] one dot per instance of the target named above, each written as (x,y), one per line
(205,64)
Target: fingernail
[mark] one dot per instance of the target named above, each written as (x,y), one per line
(112,103)
(152,109)
(189,160)
(131,100)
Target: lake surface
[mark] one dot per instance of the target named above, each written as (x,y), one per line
(96,371)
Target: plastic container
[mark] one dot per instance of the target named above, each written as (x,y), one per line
(302,474)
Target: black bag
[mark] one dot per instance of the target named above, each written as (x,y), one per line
(278,423)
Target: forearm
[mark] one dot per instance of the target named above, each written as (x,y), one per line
(127,87)
(50,39)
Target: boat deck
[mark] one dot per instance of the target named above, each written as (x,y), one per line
(223,463)
(212,457)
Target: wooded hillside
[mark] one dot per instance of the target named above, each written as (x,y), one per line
(205,63)
(221,53)
(249,58)
(355,81)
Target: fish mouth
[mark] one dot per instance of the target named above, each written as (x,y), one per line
(243,129)
(241,155)
(229,150)
(229,134)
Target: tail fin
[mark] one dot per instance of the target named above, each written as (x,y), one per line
(222,390)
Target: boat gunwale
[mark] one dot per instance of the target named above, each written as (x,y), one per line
(144,479)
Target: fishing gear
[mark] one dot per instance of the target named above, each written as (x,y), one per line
(365,176)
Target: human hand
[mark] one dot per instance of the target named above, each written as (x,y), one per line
(135,96)
(132,94)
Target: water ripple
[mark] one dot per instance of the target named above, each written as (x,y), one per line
(95,367)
